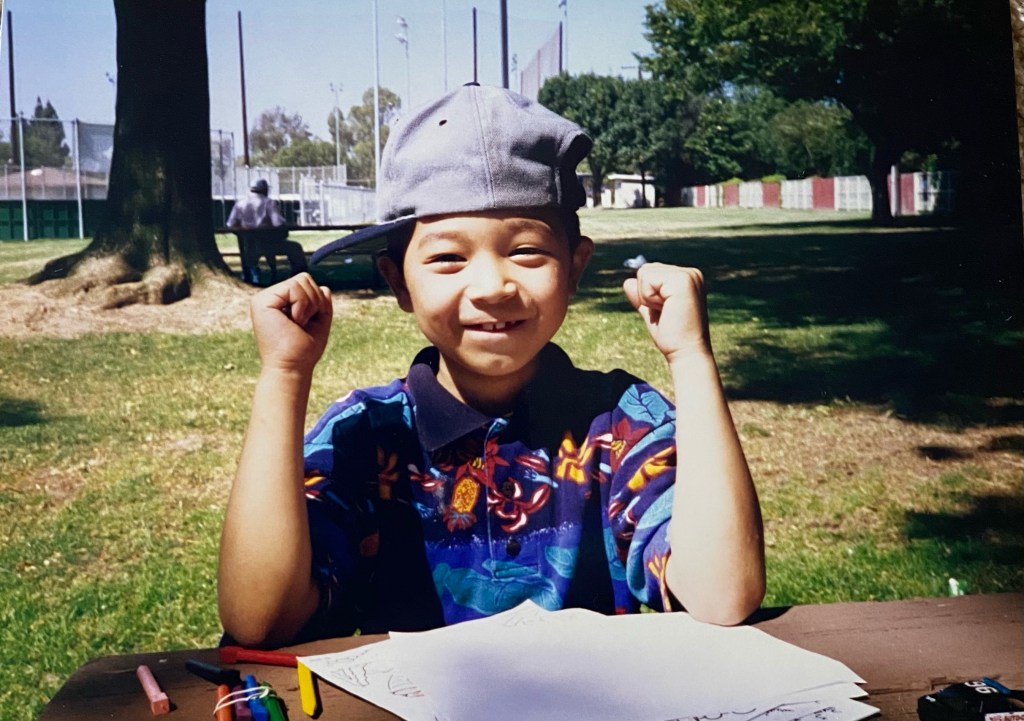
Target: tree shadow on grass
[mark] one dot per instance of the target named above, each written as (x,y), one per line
(927,320)
(18,412)
(990,530)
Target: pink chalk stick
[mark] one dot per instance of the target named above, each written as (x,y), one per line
(159,704)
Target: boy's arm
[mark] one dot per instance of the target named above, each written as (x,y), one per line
(266,591)
(716,569)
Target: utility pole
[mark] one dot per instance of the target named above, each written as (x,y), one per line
(245,117)
(10,75)
(504,43)
(475,77)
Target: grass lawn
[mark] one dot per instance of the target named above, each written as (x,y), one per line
(876,377)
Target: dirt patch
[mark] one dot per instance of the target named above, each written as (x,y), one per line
(34,311)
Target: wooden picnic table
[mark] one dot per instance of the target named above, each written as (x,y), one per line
(902,649)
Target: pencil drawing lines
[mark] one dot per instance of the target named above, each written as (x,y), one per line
(799,711)
(524,616)
(400,685)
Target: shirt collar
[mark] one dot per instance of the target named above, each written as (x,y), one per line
(441,418)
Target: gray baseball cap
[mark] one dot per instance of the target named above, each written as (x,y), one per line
(476,148)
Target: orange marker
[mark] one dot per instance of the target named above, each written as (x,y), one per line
(223,712)
(159,704)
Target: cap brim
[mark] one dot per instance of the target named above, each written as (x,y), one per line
(372,239)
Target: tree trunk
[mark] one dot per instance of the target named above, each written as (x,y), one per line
(156,233)
(882,158)
(596,185)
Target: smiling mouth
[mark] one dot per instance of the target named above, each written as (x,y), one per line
(494,327)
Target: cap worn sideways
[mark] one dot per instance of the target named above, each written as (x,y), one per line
(474,149)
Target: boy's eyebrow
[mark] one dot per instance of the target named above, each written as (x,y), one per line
(531,224)
(517,225)
(438,236)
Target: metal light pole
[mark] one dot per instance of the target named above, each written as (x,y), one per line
(444,40)
(564,4)
(376,99)
(403,38)
(337,132)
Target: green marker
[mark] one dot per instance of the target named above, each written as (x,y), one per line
(273,704)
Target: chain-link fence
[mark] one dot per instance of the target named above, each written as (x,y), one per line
(48,159)
(67,164)
(323,202)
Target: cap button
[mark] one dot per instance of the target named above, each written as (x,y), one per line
(513,547)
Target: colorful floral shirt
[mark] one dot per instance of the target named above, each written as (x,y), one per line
(424,512)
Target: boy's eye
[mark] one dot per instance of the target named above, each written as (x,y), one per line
(529,250)
(446,258)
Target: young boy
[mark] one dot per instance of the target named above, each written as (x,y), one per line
(494,471)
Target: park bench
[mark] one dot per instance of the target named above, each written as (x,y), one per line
(271,243)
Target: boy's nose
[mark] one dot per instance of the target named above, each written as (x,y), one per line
(490,285)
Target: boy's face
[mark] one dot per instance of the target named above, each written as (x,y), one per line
(489,290)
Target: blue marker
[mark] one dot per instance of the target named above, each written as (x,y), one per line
(259,711)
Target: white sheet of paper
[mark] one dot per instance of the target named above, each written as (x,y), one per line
(531,664)
(371,673)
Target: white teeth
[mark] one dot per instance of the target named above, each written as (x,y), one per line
(495,326)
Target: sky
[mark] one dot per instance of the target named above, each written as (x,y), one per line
(64,51)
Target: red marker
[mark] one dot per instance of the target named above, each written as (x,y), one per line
(159,704)
(237,654)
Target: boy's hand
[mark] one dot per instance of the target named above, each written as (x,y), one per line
(671,301)
(292,321)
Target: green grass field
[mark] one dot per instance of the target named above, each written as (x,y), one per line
(876,377)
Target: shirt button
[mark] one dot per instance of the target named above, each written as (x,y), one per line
(513,547)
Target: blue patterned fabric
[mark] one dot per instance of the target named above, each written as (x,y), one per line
(424,512)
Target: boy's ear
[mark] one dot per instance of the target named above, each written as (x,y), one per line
(580,258)
(393,275)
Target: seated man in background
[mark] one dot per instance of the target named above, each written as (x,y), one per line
(262,214)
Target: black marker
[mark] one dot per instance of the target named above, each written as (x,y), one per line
(214,674)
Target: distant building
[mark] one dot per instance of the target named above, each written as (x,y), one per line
(621,190)
(51,184)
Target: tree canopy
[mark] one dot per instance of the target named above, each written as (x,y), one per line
(283,139)
(275,130)
(592,101)
(361,156)
(683,137)
(45,140)
(921,75)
